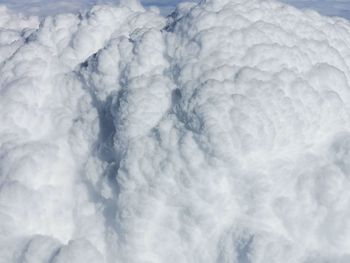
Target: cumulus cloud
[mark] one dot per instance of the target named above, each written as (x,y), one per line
(219,134)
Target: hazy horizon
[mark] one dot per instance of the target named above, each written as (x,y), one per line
(43,7)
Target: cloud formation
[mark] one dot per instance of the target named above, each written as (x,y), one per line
(220,134)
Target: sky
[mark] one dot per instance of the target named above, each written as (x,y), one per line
(326,7)
(43,7)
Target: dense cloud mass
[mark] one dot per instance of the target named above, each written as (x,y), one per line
(218,134)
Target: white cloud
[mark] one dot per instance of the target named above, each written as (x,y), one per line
(218,135)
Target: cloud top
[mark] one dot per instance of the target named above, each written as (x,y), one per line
(219,134)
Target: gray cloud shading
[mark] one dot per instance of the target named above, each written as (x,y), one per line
(218,134)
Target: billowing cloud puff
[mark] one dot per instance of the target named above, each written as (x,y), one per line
(220,134)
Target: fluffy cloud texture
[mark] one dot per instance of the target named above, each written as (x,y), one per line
(220,134)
